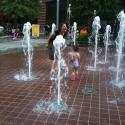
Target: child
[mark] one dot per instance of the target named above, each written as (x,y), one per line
(75,58)
(16,33)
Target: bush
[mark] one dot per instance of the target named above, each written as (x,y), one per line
(82,37)
(2,34)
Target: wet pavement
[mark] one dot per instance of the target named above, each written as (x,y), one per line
(26,102)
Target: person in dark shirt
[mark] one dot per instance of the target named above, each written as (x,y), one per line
(46,29)
(61,31)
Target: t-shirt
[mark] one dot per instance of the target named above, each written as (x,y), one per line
(13,30)
(57,33)
(46,28)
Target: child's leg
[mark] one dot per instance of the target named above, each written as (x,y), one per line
(52,65)
(17,35)
(14,35)
(73,74)
(76,73)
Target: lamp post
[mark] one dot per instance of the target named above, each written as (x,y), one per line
(57,14)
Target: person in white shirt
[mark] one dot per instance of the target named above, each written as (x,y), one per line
(13,30)
(16,33)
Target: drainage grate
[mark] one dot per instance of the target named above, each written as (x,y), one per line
(55,106)
(89,91)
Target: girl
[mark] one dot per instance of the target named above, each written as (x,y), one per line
(16,33)
(75,58)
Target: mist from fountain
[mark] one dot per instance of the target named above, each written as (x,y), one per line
(53,28)
(28,52)
(107,42)
(58,83)
(94,49)
(60,72)
(120,43)
(59,44)
(74,34)
(74,29)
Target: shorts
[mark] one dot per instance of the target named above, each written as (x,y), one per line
(51,51)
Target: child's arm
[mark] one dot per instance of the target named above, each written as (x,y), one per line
(79,58)
(71,59)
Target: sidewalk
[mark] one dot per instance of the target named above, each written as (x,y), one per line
(15,45)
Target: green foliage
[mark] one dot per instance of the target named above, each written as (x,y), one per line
(104,8)
(2,34)
(21,8)
(82,37)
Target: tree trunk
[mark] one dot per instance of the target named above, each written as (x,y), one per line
(90,24)
(15,22)
(8,25)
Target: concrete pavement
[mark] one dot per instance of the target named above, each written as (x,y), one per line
(17,43)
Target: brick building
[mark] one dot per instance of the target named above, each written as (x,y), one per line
(1,16)
(48,14)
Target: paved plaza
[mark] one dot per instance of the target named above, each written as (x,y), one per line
(26,102)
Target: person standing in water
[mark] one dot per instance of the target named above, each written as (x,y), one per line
(75,58)
(61,31)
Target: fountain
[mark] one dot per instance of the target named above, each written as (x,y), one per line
(58,83)
(120,43)
(106,43)
(106,40)
(73,32)
(62,71)
(96,26)
(69,15)
(28,51)
(53,28)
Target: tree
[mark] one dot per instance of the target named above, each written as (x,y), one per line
(104,8)
(21,8)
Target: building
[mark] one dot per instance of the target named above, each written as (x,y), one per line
(1,16)
(48,14)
